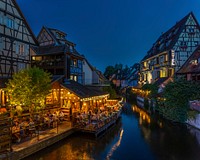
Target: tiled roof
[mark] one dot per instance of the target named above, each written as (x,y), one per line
(51,31)
(189,66)
(61,44)
(55,78)
(168,39)
(81,90)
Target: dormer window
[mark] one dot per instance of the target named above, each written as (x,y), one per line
(59,35)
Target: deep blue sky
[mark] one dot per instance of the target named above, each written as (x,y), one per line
(109,31)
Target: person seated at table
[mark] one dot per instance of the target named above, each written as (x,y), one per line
(61,116)
(21,125)
(31,127)
(16,132)
(50,122)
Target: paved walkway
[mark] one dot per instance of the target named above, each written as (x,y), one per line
(43,135)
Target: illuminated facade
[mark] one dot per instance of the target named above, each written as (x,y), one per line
(16,39)
(57,55)
(170,51)
(70,95)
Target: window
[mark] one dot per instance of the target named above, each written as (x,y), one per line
(73,77)
(1,43)
(1,19)
(71,48)
(166,58)
(183,43)
(195,43)
(21,49)
(21,66)
(74,63)
(10,23)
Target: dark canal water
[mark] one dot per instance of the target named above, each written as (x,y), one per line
(136,136)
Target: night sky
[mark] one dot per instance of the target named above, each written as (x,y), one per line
(109,31)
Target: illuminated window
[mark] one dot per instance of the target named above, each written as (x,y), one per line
(145,64)
(74,63)
(73,77)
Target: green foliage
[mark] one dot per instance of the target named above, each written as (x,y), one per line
(111,91)
(110,70)
(177,95)
(152,88)
(28,88)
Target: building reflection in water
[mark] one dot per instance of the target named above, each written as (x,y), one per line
(168,140)
(137,135)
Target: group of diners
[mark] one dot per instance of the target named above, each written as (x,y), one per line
(22,128)
(96,119)
(27,126)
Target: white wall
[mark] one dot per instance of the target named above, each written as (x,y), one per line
(87,73)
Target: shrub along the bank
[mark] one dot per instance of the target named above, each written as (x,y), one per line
(176,97)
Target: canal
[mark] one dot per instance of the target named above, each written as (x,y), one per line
(136,136)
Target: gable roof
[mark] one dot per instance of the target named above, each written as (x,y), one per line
(52,32)
(168,39)
(26,23)
(188,66)
(60,45)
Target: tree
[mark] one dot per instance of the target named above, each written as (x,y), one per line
(110,70)
(28,89)
(176,96)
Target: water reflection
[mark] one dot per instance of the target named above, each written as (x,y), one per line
(116,145)
(81,146)
(168,140)
(137,135)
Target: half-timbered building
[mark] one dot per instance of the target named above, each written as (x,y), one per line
(171,50)
(16,39)
(57,55)
(191,68)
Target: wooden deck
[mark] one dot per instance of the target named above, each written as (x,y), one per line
(97,127)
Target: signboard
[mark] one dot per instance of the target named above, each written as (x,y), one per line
(172,58)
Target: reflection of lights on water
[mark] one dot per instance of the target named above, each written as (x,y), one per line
(143,115)
(160,124)
(116,145)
